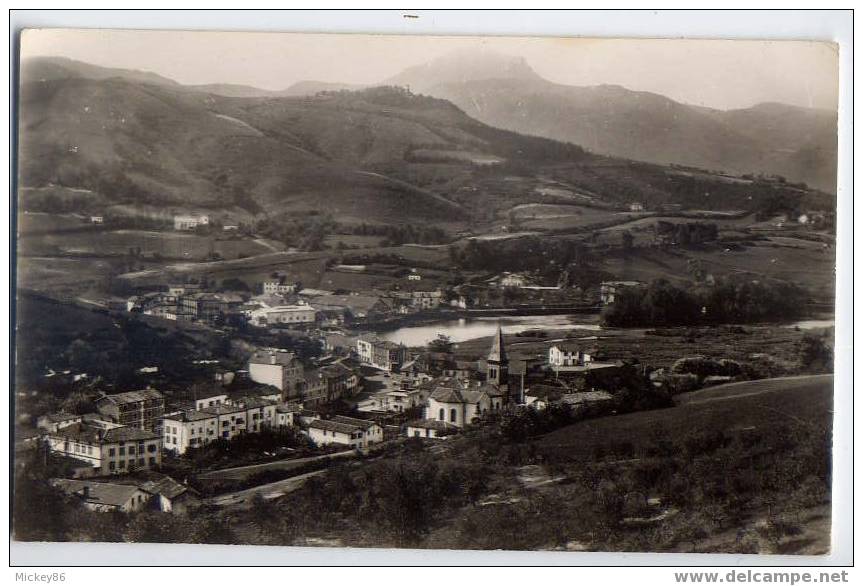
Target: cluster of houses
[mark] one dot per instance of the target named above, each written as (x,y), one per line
(279,304)
(119,448)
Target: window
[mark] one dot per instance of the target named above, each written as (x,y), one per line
(131,450)
(452,415)
(416,433)
(441,415)
(141,461)
(151,448)
(111,452)
(122,451)
(111,465)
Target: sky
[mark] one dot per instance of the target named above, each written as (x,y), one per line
(712,73)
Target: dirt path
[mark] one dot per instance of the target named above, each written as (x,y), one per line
(243,498)
(242,472)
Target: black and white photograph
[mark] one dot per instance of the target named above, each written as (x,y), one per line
(516,293)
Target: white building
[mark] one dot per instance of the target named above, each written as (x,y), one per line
(278,288)
(283,314)
(567,355)
(97,219)
(107,448)
(194,428)
(459,404)
(356,433)
(636,206)
(190,222)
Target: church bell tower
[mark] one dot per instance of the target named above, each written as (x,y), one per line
(498,364)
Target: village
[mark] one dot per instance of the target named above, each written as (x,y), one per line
(357,393)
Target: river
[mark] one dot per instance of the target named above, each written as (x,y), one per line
(460,330)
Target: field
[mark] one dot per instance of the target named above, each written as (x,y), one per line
(803,401)
(772,347)
(167,244)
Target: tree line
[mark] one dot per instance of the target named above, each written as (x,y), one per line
(662,303)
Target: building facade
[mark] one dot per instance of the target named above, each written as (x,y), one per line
(140,409)
(279,368)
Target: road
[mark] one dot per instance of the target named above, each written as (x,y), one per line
(243,498)
(242,472)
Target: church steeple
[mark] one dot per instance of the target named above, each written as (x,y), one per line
(498,364)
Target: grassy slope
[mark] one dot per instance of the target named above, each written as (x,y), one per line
(764,404)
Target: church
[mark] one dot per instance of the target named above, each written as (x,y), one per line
(459,402)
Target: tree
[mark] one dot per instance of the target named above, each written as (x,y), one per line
(628,239)
(814,354)
(442,343)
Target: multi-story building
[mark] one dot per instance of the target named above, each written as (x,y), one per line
(193,428)
(279,368)
(381,354)
(111,450)
(141,409)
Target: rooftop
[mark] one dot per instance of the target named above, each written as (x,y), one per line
(432,424)
(364,423)
(101,493)
(336,426)
(134,396)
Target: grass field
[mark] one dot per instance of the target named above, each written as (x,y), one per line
(805,401)
(168,245)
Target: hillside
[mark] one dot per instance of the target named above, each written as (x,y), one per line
(798,143)
(376,155)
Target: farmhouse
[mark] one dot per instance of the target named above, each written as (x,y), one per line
(560,355)
(105,497)
(170,496)
(190,221)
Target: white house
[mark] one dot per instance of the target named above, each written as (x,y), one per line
(636,206)
(567,355)
(190,222)
(97,219)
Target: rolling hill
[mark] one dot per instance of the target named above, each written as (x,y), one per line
(376,155)
(797,143)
